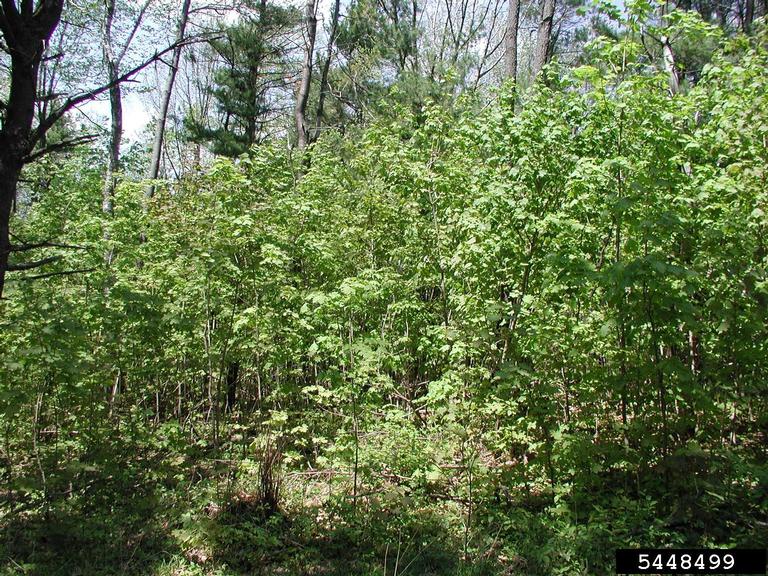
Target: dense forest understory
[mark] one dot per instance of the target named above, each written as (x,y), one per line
(485,337)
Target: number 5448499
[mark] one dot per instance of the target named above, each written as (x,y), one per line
(690,561)
(685,561)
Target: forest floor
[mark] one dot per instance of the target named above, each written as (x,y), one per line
(161,513)
(149,516)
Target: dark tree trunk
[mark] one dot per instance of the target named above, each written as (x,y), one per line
(414,36)
(704,8)
(25,34)
(233,376)
(721,9)
(749,15)
(8,179)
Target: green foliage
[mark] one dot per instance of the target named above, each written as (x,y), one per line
(504,343)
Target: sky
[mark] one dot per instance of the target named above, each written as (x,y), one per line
(137,110)
(135,115)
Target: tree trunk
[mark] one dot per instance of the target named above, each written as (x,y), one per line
(414,36)
(669,65)
(157,144)
(721,9)
(115,109)
(541,53)
(115,141)
(510,56)
(233,376)
(749,15)
(327,66)
(8,179)
(25,35)
(302,97)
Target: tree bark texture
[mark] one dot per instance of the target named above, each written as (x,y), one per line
(324,88)
(157,142)
(510,56)
(25,33)
(541,53)
(115,110)
(302,96)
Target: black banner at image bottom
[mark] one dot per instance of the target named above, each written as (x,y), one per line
(690,561)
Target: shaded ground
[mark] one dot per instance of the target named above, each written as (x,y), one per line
(152,517)
(169,515)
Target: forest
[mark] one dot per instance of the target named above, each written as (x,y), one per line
(380,287)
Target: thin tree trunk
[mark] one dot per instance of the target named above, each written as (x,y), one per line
(113,57)
(326,67)
(157,143)
(541,52)
(302,97)
(510,57)
(749,15)
(233,376)
(669,65)
(414,37)
(115,109)
(115,142)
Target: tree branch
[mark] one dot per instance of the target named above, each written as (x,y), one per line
(56,56)
(63,273)
(31,265)
(136,26)
(63,145)
(48,97)
(9,10)
(48,14)
(46,244)
(76,99)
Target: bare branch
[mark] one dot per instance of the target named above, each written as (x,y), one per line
(136,26)
(63,273)
(76,99)
(31,265)
(58,146)
(46,244)
(48,97)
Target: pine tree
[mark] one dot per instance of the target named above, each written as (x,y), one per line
(253,55)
